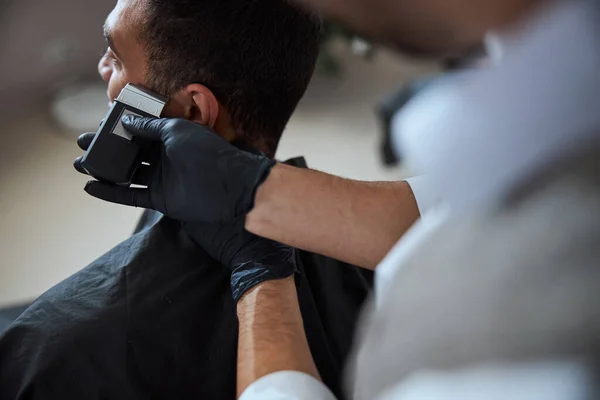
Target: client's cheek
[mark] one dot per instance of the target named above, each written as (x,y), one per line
(116,84)
(113,90)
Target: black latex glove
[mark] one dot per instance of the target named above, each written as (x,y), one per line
(199,176)
(251,259)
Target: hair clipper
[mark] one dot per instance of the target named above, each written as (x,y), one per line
(114,154)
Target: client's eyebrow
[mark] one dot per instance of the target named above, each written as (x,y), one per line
(110,41)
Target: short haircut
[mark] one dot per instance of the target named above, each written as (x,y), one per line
(256,56)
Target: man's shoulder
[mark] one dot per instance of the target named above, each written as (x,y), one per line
(138,297)
(153,256)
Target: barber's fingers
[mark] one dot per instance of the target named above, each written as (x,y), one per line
(84,141)
(145,128)
(143,175)
(78,167)
(119,195)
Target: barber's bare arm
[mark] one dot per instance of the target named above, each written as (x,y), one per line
(352,221)
(271,333)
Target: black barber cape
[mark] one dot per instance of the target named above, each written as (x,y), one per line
(154,319)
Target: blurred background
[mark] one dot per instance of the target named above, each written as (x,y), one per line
(50,92)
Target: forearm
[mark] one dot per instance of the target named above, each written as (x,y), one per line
(271,333)
(352,221)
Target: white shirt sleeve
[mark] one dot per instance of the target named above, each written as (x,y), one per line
(287,385)
(550,380)
(425,197)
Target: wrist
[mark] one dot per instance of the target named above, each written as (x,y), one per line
(264,209)
(251,274)
(273,291)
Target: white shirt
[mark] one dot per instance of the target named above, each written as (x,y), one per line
(475,138)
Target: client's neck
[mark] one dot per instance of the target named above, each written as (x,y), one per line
(226,130)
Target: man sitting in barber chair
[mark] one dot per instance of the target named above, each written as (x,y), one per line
(154,317)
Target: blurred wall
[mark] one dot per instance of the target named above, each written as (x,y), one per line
(50,228)
(44,43)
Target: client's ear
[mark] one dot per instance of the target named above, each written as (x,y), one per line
(196,103)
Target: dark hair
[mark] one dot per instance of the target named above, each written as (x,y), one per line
(257,57)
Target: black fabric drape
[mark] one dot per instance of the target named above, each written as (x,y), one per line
(154,319)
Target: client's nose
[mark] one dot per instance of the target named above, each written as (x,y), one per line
(105,68)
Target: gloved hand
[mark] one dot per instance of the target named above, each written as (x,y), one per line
(251,259)
(199,178)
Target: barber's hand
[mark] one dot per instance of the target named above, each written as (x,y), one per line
(251,259)
(199,176)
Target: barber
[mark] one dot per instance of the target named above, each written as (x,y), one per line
(473,302)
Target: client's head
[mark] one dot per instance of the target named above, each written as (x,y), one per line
(238,66)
